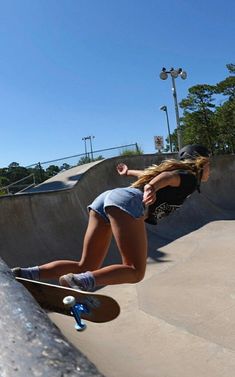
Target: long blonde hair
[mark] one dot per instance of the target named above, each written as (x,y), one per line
(194,166)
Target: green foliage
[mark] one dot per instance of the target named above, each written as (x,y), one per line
(4,181)
(227,87)
(174,142)
(131,152)
(84,160)
(225,123)
(99,158)
(231,68)
(65,166)
(197,122)
(52,170)
(206,123)
(199,98)
(16,172)
(87,159)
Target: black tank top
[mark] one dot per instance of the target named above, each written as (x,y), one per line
(169,198)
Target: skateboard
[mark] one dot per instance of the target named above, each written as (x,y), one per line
(72,302)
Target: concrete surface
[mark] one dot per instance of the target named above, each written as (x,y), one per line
(64,180)
(31,345)
(179,321)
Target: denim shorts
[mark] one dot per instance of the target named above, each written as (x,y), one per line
(128,199)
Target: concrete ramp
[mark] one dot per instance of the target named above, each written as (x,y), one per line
(179,320)
(50,223)
(215,202)
(66,179)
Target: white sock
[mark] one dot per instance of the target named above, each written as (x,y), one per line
(30,273)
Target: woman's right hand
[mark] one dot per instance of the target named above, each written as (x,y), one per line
(149,195)
(122,169)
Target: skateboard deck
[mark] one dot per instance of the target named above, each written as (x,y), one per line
(91,306)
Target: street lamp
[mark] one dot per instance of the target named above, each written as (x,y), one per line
(174,74)
(91,150)
(85,139)
(164,108)
(91,137)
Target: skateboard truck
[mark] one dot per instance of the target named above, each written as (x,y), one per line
(76,309)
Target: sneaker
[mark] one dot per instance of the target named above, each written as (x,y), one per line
(16,272)
(70,281)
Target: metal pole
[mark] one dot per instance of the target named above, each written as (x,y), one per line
(91,146)
(84,138)
(168,127)
(175,73)
(179,135)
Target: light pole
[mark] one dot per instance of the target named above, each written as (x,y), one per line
(85,139)
(91,150)
(164,108)
(174,74)
(91,137)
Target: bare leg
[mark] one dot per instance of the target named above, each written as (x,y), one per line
(130,236)
(95,246)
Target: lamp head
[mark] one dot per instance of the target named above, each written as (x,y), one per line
(163,74)
(183,75)
(174,73)
(163,108)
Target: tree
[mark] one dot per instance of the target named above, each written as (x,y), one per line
(13,165)
(131,152)
(225,113)
(65,166)
(198,124)
(231,68)
(86,159)
(15,172)
(4,181)
(225,120)
(52,170)
(227,86)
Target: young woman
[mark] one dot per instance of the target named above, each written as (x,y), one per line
(122,213)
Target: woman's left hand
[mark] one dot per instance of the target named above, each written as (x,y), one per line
(122,169)
(149,196)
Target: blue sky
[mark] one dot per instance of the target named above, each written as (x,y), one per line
(72,68)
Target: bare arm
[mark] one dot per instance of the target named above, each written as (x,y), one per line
(122,169)
(160,181)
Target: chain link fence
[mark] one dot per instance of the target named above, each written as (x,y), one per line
(68,162)
(41,171)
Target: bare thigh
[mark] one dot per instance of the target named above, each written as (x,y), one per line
(95,246)
(96,242)
(131,239)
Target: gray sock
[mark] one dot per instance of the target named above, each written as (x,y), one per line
(86,280)
(30,273)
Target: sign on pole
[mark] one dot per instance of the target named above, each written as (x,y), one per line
(158,141)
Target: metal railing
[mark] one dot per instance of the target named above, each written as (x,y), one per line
(38,169)
(79,159)
(18,186)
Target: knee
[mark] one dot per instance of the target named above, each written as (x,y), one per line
(138,275)
(84,266)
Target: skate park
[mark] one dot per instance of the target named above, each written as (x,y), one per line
(179,320)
